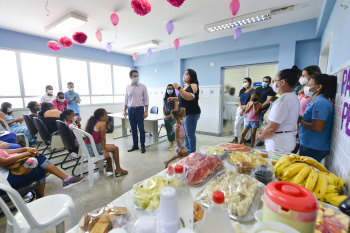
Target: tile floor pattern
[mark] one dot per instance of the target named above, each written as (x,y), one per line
(106,188)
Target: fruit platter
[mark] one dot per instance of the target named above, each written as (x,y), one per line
(198,168)
(217,151)
(330,219)
(312,175)
(235,147)
(254,158)
(242,194)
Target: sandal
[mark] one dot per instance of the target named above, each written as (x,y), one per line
(119,174)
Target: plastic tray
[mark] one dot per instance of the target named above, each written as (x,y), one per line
(252,208)
(208,177)
(221,156)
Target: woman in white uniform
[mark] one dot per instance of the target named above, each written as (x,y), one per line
(230,109)
(243,99)
(284,114)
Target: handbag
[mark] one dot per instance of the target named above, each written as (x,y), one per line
(17,168)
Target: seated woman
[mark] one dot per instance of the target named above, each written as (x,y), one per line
(317,120)
(59,103)
(49,116)
(34,108)
(96,126)
(8,140)
(9,157)
(68,116)
(14,124)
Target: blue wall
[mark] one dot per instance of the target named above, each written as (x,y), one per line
(15,40)
(339,26)
(305,54)
(276,44)
(161,78)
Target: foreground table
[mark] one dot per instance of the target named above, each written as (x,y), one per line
(127,201)
(150,123)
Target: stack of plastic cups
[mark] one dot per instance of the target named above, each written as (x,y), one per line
(168,215)
(147,224)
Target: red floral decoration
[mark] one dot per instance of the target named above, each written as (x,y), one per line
(79,37)
(141,7)
(53,45)
(176,3)
(66,42)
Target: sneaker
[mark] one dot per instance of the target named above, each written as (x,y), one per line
(260,143)
(72,181)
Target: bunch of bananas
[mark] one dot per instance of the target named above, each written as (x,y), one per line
(301,170)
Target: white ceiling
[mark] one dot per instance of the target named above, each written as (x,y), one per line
(29,16)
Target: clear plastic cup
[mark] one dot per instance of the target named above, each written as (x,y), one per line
(146,224)
(168,215)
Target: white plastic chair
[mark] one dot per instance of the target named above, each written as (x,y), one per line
(39,215)
(79,134)
(8,129)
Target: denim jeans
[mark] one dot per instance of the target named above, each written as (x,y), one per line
(136,120)
(316,154)
(190,128)
(37,173)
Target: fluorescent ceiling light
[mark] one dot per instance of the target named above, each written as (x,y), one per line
(143,45)
(239,21)
(66,23)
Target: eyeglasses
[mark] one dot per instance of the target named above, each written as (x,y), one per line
(274,81)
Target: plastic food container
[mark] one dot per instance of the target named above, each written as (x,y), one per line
(272,227)
(290,204)
(217,151)
(274,161)
(278,155)
(264,173)
(263,153)
(244,167)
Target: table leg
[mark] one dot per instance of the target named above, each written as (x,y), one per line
(124,129)
(155,132)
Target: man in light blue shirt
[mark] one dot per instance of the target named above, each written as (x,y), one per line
(73,99)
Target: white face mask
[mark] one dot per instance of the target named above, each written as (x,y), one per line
(275,88)
(9,110)
(49,92)
(303,81)
(75,118)
(308,92)
(60,100)
(245,85)
(135,79)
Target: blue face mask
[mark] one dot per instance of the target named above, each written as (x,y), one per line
(135,79)
(71,89)
(264,84)
(170,92)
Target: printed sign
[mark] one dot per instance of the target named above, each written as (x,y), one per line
(345,101)
(257,84)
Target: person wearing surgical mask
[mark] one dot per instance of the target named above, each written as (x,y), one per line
(317,120)
(307,73)
(136,107)
(34,108)
(60,103)
(73,99)
(168,106)
(48,96)
(243,99)
(283,114)
(14,124)
(188,98)
(68,116)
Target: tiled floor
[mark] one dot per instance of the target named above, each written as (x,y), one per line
(107,188)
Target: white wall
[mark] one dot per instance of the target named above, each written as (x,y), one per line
(338,161)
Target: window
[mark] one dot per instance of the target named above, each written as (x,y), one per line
(101,99)
(121,79)
(101,79)
(38,71)
(75,71)
(9,74)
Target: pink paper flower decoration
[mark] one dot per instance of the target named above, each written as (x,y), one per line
(176,3)
(66,42)
(141,7)
(53,45)
(79,37)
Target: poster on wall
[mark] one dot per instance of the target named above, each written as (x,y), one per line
(344,108)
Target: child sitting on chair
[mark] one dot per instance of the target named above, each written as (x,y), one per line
(179,147)
(96,126)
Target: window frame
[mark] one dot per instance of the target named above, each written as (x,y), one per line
(23,96)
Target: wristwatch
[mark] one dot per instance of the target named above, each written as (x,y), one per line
(179,88)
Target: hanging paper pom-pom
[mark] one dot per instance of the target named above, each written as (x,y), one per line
(141,7)
(176,3)
(66,42)
(53,45)
(79,37)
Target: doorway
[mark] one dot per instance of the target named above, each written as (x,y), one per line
(324,56)
(232,84)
